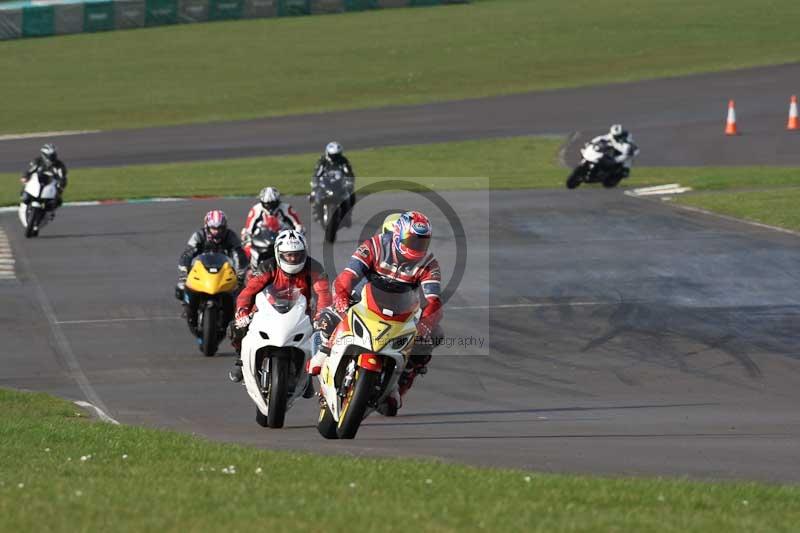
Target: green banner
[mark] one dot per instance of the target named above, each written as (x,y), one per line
(160,12)
(288,8)
(419,3)
(360,5)
(225,9)
(38,21)
(98,16)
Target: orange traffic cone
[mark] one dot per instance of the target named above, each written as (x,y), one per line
(730,125)
(794,123)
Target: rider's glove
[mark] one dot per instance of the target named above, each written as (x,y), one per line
(243,318)
(341,302)
(423,330)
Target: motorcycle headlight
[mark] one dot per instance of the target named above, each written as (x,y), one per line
(401,342)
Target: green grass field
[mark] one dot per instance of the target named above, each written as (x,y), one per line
(242,69)
(62,472)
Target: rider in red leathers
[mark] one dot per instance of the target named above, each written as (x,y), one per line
(399,257)
(291,267)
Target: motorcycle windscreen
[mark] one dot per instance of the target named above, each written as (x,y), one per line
(284,300)
(212,273)
(395,305)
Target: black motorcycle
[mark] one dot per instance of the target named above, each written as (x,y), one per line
(330,201)
(597,166)
(262,246)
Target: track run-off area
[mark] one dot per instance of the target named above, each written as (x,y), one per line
(590,332)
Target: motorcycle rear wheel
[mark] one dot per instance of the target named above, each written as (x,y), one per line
(355,405)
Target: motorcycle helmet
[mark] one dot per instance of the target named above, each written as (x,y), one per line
(333,151)
(411,236)
(617,133)
(270,198)
(48,152)
(215,224)
(389,222)
(290,251)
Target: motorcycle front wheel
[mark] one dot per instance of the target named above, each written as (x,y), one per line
(210,330)
(326,425)
(575,177)
(278,392)
(32,220)
(355,404)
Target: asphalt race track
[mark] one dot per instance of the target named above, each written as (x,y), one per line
(590,331)
(677,121)
(620,336)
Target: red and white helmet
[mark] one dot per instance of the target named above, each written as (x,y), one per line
(412,236)
(215,224)
(290,251)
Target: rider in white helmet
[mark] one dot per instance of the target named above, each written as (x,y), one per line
(291,267)
(270,211)
(334,159)
(624,147)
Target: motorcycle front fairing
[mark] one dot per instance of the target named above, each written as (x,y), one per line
(278,323)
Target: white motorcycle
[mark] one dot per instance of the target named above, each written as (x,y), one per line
(38,204)
(369,351)
(597,165)
(274,353)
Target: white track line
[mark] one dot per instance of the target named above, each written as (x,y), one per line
(62,346)
(6,258)
(110,320)
(102,414)
(36,135)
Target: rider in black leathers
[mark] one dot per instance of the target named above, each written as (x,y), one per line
(334,159)
(214,236)
(48,162)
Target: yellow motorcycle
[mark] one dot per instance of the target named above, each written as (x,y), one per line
(210,291)
(370,349)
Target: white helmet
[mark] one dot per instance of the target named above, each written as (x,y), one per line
(270,198)
(290,251)
(615,130)
(333,149)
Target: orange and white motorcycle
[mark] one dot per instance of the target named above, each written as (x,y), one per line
(369,351)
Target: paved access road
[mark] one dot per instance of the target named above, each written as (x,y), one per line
(677,121)
(619,336)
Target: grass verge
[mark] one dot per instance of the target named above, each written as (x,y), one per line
(764,194)
(252,68)
(62,472)
(774,207)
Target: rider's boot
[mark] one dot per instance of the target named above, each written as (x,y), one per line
(235,373)
(309,392)
(314,365)
(391,404)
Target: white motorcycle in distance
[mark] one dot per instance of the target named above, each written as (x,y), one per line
(38,203)
(597,165)
(274,354)
(369,352)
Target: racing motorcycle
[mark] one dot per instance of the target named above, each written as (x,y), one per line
(369,351)
(38,203)
(211,289)
(597,166)
(274,354)
(330,201)
(262,245)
